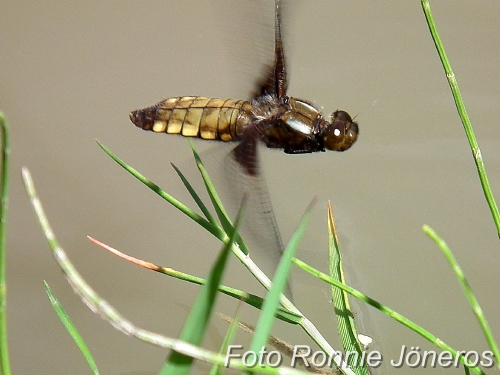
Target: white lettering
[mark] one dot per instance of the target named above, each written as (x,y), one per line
(402,355)
(300,351)
(353,357)
(230,355)
(487,355)
(249,355)
(445,359)
(262,354)
(278,361)
(467,359)
(425,357)
(320,354)
(374,359)
(414,352)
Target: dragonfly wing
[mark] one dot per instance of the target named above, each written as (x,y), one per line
(242,168)
(274,80)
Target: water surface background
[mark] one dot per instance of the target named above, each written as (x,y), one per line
(71,72)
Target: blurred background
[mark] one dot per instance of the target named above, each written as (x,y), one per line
(72,71)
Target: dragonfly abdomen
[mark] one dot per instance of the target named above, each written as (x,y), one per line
(196,116)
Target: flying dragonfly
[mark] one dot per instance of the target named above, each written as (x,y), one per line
(270,117)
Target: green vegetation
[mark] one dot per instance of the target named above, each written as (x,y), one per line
(273,305)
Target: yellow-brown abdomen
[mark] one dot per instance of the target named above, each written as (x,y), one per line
(196,116)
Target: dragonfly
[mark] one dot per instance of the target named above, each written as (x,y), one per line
(269,117)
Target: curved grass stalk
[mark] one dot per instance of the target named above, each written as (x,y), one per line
(271,303)
(385,309)
(238,249)
(459,103)
(71,328)
(4,352)
(345,318)
(110,314)
(250,299)
(198,319)
(478,311)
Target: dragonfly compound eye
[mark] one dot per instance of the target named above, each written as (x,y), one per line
(341,133)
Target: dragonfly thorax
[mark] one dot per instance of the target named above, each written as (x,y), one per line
(297,126)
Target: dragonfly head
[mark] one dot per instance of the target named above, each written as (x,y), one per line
(341,132)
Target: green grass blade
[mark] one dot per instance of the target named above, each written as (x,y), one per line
(70,327)
(227,225)
(216,202)
(384,309)
(105,310)
(250,299)
(4,352)
(221,212)
(241,250)
(219,208)
(216,231)
(280,279)
(305,323)
(195,196)
(457,96)
(284,348)
(345,318)
(228,340)
(478,311)
(79,285)
(199,317)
